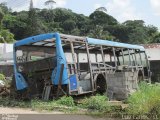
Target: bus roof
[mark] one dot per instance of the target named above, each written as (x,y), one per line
(34,39)
(114,44)
(41,37)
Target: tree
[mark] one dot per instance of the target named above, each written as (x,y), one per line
(62,14)
(34,24)
(152,32)
(98,25)
(1,17)
(101,18)
(103,9)
(49,13)
(68,25)
(138,35)
(7,36)
(99,33)
(138,32)
(75,31)
(132,32)
(50,3)
(8,21)
(83,23)
(4,8)
(120,32)
(156,38)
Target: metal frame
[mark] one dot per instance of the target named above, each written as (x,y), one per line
(72,43)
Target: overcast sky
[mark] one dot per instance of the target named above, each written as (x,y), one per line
(122,10)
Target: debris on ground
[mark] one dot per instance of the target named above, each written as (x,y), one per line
(2,83)
(4,89)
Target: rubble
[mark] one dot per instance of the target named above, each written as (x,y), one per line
(4,90)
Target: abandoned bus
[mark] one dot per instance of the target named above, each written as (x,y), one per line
(54,64)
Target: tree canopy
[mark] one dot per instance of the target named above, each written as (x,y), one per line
(99,24)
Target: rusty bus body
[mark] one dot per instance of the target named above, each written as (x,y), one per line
(55,64)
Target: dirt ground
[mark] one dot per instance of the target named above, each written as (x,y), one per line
(28,114)
(6,110)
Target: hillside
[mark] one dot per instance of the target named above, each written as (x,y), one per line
(18,25)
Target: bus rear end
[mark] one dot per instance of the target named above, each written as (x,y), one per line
(38,62)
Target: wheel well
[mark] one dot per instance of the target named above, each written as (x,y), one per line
(140,76)
(140,73)
(101,83)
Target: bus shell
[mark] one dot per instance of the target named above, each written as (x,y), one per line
(55,64)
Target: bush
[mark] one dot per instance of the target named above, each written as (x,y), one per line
(145,101)
(2,77)
(54,105)
(67,101)
(43,105)
(97,102)
(7,82)
(8,102)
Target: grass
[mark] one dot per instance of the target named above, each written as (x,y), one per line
(98,103)
(7,102)
(2,77)
(65,104)
(146,101)
(6,82)
(67,101)
(93,105)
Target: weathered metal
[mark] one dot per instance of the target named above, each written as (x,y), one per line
(117,78)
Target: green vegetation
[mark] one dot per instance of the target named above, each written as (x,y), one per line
(99,24)
(5,34)
(146,101)
(6,82)
(2,77)
(59,105)
(67,101)
(8,102)
(95,104)
(98,102)
(65,104)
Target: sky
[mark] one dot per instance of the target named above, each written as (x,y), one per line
(122,10)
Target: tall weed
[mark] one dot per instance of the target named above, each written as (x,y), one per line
(97,102)
(145,101)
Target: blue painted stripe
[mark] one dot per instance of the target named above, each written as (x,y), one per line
(113,44)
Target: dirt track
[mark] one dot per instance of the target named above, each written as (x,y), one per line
(6,110)
(28,114)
